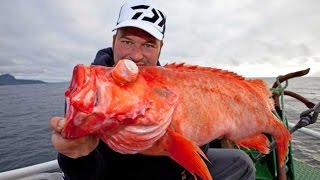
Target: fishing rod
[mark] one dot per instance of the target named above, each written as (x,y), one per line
(307,117)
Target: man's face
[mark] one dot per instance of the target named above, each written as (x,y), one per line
(136,45)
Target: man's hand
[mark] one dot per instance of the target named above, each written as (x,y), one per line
(73,148)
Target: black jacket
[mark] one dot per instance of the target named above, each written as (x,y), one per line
(104,163)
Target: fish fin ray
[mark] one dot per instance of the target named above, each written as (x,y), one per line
(282,139)
(262,88)
(208,70)
(258,142)
(187,154)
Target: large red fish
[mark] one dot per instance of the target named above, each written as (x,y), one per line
(171,111)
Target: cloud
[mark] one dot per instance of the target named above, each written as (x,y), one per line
(49,37)
(251,33)
(317,74)
(46,39)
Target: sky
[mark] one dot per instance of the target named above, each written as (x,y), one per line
(45,39)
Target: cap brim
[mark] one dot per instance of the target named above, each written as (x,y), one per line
(141,25)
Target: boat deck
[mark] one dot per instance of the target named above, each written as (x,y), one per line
(303,171)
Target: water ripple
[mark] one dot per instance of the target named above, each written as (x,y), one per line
(25,135)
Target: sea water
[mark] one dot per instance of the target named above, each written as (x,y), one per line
(25,110)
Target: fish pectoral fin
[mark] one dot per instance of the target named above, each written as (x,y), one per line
(187,154)
(259,142)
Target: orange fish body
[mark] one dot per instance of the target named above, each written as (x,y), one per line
(171,110)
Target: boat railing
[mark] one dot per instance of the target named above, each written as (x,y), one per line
(307,131)
(34,172)
(40,171)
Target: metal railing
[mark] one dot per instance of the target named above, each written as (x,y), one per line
(306,131)
(34,172)
(40,171)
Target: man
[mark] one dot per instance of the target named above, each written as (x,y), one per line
(139,36)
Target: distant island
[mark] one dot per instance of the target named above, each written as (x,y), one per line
(8,79)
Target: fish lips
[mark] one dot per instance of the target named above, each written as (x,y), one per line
(83,123)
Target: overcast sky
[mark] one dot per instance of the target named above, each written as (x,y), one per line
(45,39)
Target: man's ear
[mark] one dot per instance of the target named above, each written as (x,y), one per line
(161,43)
(113,40)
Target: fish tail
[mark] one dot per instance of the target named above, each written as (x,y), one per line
(282,137)
(282,147)
(186,153)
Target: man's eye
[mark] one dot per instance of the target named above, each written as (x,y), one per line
(127,42)
(148,45)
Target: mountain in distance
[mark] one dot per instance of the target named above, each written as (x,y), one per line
(8,79)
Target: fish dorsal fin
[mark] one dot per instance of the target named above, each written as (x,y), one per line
(262,88)
(208,70)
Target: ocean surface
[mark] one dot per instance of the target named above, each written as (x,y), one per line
(25,110)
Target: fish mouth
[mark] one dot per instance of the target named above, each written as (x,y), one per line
(138,136)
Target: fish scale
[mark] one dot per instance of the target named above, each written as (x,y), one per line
(186,106)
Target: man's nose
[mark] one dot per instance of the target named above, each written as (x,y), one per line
(136,54)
